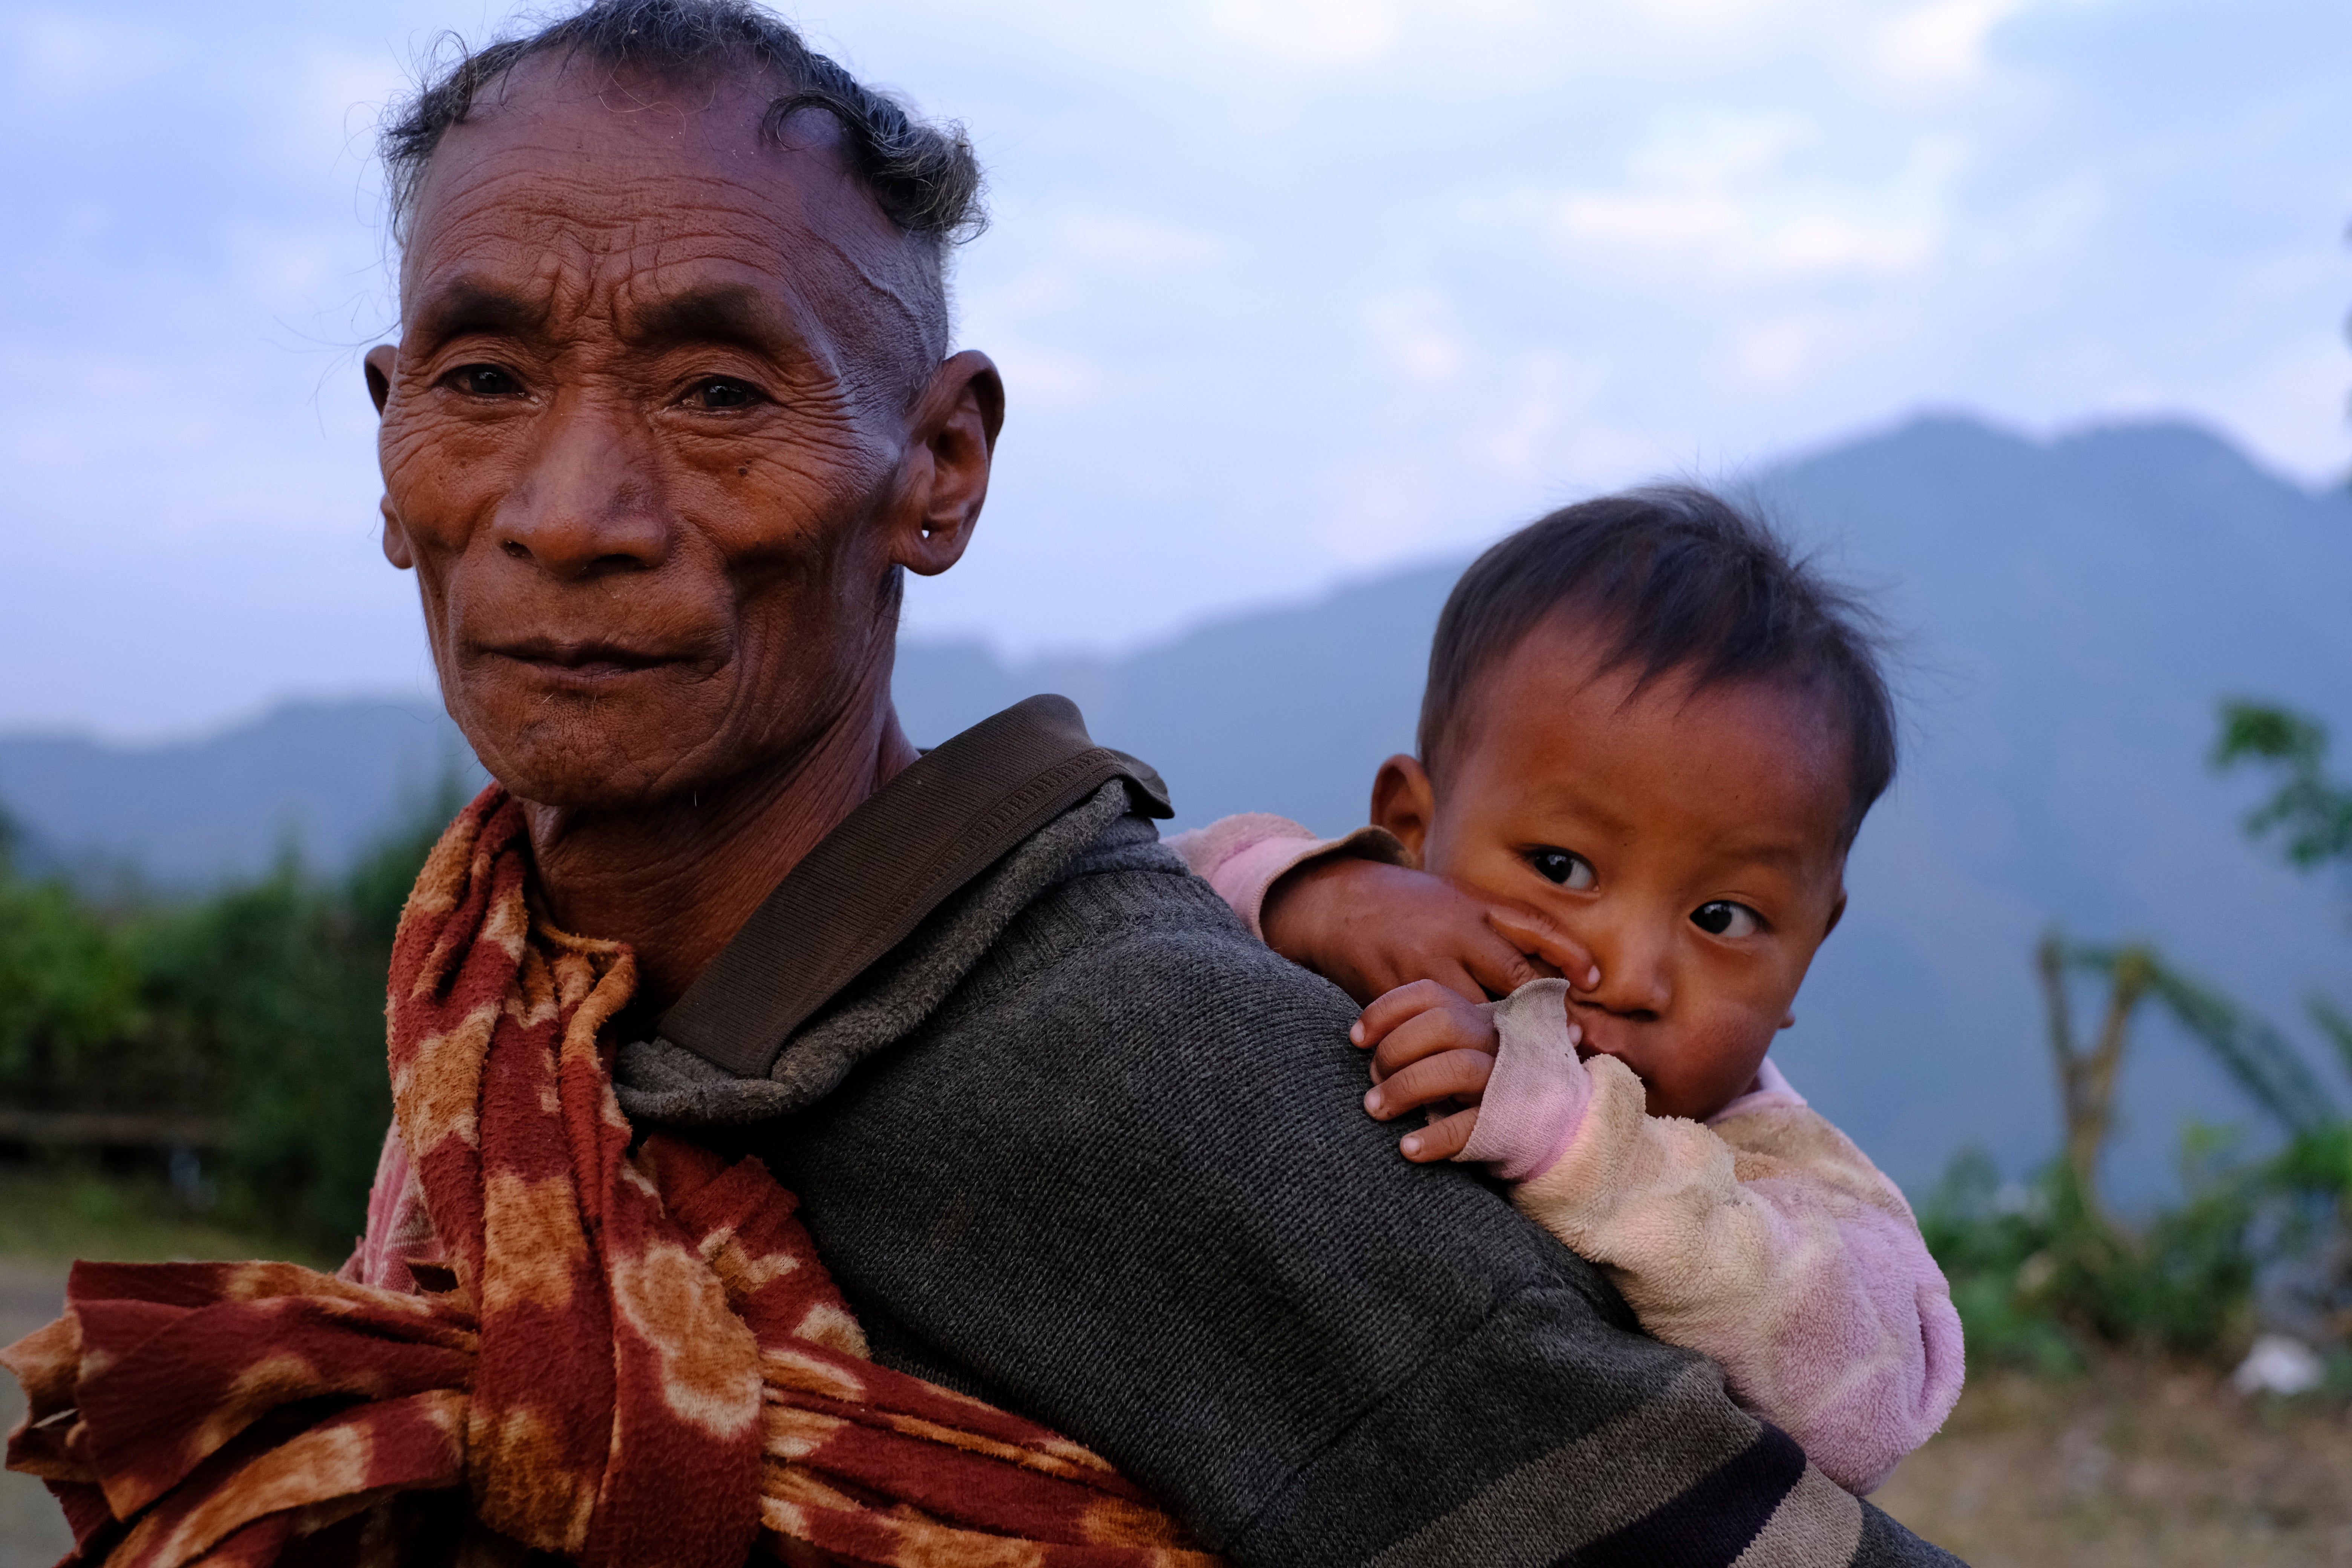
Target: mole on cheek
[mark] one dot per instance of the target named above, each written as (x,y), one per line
(744,472)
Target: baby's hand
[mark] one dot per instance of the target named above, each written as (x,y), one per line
(1429,1044)
(1369,928)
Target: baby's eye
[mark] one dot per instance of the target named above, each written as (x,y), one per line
(1724,918)
(1569,871)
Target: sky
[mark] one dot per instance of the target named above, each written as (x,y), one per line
(1286,292)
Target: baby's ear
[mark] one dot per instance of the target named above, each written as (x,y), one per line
(1405,803)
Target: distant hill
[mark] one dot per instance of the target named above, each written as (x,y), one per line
(2075,608)
(320,779)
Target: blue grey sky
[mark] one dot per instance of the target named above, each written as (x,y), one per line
(1285,291)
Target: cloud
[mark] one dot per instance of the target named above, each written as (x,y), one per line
(54,58)
(1751,205)
(1136,244)
(1414,329)
(1280,287)
(1308,32)
(1941,42)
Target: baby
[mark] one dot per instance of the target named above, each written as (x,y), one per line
(1648,739)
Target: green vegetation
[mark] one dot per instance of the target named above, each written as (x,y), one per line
(240,1036)
(255,1018)
(2310,812)
(58,1210)
(2046,1274)
(68,986)
(2043,1278)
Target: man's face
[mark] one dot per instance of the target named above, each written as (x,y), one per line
(1690,839)
(650,433)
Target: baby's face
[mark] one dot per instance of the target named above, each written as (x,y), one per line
(1690,839)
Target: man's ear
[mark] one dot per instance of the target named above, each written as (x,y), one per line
(378,365)
(396,543)
(951,438)
(1405,803)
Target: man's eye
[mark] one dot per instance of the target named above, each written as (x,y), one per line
(1724,918)
(484,381)
(718,393)
(1569,871)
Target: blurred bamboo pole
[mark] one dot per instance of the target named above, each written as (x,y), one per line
(2086,1079)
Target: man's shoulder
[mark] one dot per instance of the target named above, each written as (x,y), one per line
(1130,927)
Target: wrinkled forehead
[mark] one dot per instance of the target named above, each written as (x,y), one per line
(604,196)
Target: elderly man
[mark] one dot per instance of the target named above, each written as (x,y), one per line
(672,412)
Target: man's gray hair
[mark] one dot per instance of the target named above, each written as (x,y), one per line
(922,174)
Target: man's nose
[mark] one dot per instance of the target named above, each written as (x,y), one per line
(1634,955)
(592,502)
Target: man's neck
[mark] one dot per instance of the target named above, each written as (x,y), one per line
(676,881)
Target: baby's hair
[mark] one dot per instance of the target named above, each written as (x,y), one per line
(1682,580)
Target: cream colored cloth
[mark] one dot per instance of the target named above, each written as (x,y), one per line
(1762,1238)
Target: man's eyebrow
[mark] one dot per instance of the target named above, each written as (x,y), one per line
(468,305)
(715,313)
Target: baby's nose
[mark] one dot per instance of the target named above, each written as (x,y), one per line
(1633,982)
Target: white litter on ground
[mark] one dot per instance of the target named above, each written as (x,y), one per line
(2278,1364)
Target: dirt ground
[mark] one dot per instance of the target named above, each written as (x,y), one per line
(32,1530)
(46,1219)
(2134,1466)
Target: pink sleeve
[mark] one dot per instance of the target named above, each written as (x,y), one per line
(1764,1240)
(1535,1094)
(1242,856)
(399,1229)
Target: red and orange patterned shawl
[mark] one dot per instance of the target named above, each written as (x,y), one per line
(634,1355)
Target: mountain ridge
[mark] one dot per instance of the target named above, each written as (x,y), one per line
(2073,610)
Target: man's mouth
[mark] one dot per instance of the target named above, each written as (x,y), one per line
(583,662)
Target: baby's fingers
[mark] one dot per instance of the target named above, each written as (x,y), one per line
(1494,962)
(1444,1076)
(1460,1028)
(1463,977)
(1538,934)
(1392,1009)
(1440,1139)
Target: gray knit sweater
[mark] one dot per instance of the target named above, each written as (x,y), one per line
(1082,1147)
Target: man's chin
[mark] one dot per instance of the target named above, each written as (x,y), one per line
(610,751)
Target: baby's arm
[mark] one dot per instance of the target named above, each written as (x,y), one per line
(1350,909)
(1243,857)
(1767,1240)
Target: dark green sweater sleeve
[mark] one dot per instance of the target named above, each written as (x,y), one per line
(1123,1182)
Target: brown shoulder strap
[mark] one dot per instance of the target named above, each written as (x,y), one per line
(870,881)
